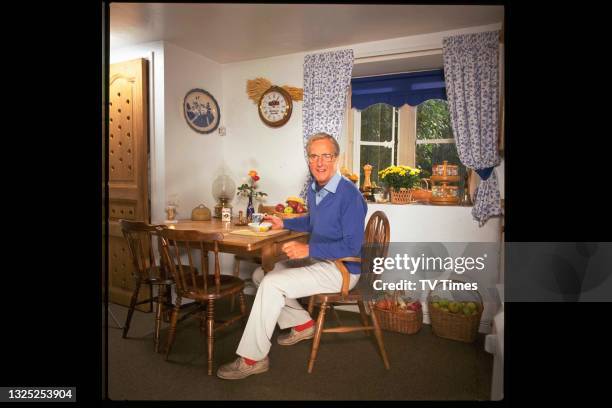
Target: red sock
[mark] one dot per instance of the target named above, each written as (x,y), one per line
(304,326)
(249,361)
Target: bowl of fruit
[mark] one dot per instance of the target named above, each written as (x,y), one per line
(294,207)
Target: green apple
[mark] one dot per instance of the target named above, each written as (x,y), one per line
(467,311)
(454,307)
(436,305)
(472,305)
(443,302)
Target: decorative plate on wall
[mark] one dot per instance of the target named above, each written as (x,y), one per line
(201,111)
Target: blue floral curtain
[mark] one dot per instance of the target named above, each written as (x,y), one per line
(471,74)
(326,80)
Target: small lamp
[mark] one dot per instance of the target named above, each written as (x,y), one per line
(223,190)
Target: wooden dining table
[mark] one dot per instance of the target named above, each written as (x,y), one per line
(268,245)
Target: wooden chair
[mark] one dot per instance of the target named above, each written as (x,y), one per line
(376,244)
(203,288)
(147,272)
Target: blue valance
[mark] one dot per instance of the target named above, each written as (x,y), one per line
(398,89)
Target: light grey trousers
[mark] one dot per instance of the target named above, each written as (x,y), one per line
(276,300)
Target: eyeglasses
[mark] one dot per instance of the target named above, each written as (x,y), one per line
(327,157)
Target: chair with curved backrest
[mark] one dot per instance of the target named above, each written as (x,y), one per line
(376,244)
(204,288)
(147,271)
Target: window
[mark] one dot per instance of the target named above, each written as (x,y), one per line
(376,140)
(402,119)
(435,141)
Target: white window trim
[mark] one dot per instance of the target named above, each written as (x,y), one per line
(357,143)
(435,141)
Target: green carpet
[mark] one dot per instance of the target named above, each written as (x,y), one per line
(348,366)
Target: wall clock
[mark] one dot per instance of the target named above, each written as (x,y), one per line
(275,106)
(201,111)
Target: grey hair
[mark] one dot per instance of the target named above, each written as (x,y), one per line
(322,136)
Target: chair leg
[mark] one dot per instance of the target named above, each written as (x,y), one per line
(167,311)
(317,337)
(210,335)
(333,309)
(172,331)
(133,301)
(364,316)
(237,275)
(311,305)
(242,303)
(158,317)
(379,339)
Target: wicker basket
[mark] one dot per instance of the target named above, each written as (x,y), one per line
(401,321)
(455,326)
(403,196)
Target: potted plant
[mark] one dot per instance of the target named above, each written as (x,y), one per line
(400,180)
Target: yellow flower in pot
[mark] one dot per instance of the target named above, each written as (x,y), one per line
(400,180)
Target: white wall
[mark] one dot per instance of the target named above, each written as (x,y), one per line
(276,153)
(190,157)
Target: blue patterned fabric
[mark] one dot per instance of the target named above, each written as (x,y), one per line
(326,80)
(472,88)
(398,89)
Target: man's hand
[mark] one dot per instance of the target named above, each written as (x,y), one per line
(295,250)
(277,223)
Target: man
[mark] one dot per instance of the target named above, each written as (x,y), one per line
(335,222)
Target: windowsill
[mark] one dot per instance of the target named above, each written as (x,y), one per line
(422,204)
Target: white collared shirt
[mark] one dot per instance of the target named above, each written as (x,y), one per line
(330,187)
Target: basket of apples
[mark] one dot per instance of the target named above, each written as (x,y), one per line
(402,315)
(455,319)
(295,207)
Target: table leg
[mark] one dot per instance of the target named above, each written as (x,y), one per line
(267,258)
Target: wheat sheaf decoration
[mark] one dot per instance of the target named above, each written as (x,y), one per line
(256,87)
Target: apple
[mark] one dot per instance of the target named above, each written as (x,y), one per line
(299,208)
(415,306)
(453,307)
(288,210)
(279,208)
(292,204)
(436,305)
(471,305)
(467,311)
(383,304)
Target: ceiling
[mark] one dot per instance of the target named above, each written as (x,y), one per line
(238,32)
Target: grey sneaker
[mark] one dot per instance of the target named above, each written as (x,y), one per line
(239,369)
(294,336)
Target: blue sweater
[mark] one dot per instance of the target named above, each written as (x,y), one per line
(335,225)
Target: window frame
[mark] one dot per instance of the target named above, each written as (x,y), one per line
(357,142)
(405,118)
